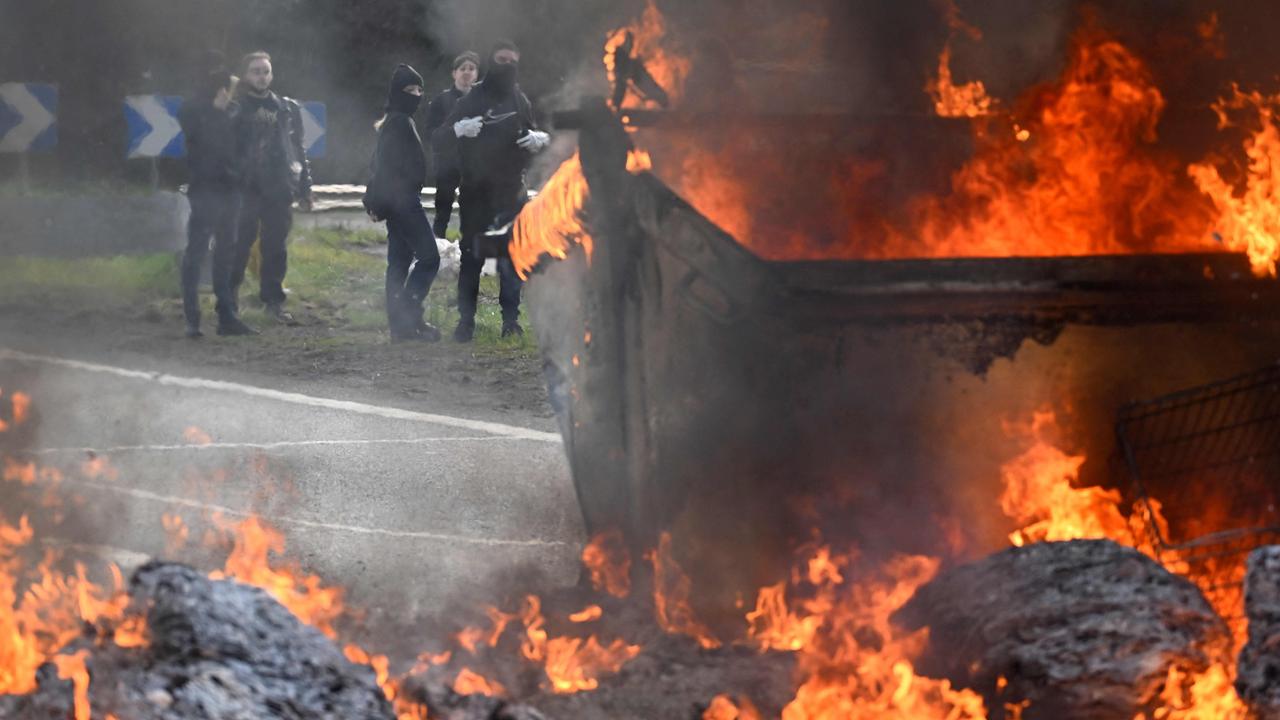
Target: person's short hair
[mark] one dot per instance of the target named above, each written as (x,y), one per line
(248,59)
(469,56)
(503,45)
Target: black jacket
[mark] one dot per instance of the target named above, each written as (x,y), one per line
(399,168)
(212,163)
(268,134)
(444,154)
(493,155)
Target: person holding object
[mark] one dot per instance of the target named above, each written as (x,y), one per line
(268,131)
(444,155)
(496,136)
(394,195)
(215,203)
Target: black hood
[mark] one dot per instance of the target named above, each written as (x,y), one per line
(397,99)
(501,78)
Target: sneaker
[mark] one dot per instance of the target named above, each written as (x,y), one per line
(465,331)
(512,328)
(235,326)
(277,312)
(193,331)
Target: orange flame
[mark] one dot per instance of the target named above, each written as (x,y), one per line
(951,100)
(176,533)
(723,707)
(469,682)
(303,594)
(671,591)
(1249,219)
(71,667)
(590,613)
(571,664)
(607,559)
(852,666)
(552,222)
(196,436)
(669,69)
(1039,492)
(1039,489)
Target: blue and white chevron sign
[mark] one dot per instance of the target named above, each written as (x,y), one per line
(313,129)
(28,117)
(153,126)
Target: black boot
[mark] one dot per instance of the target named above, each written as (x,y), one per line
(465,330)
(230,325)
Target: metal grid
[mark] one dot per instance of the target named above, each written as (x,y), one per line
(1208,453)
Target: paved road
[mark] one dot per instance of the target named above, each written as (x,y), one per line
(407,509)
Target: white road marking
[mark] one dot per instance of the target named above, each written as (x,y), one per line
(336,527)
(289,397)
(261,446)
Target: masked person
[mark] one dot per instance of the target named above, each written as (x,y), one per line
(496,136)
(444,155)
(394,194)
(268,131)
(212,192)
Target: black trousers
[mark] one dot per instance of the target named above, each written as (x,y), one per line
(213,216)
(409,243)
(481,204)
(268,220)
(447,180)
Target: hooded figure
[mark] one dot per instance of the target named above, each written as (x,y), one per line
(496,135)
(394,195)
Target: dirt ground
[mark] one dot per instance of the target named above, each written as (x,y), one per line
(324,355)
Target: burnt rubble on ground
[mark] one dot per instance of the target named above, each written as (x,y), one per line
(218,649)
(1082,629)
(1258,671)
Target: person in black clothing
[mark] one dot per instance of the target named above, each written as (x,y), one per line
(268,131)
(211,162)
(444,155)
(394,194)
(496,135)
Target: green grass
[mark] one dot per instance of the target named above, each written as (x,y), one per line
(335,275)
(121,278)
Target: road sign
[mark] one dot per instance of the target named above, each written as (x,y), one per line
(313,128)
(153,126)
(28,117)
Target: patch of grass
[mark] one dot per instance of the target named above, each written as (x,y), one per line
(124,278)
(335,274)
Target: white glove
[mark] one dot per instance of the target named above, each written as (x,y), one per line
(468,127)
(534,141)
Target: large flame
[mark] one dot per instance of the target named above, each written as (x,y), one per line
(1249,218)
(851,663)
(254,544)
(671,592)
(1041,494)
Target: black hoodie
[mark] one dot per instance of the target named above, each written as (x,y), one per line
(211,146)
(399,168)
(493,155)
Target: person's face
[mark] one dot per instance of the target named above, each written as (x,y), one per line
(258,75)
(415,90)
(506,56)
(465,76)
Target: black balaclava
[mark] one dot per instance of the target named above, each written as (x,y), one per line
(397,99)
(501,77)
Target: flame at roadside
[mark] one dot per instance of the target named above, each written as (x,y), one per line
(1041,495)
